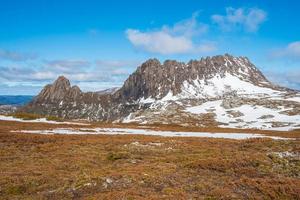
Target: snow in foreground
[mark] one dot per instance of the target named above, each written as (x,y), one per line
(41,120)
(127,131)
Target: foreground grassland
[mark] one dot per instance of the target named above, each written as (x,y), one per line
(144,167)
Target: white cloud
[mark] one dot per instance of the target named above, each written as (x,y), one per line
(159,42)
(289,78)
(187,27)
(42,75)
(247,19)
(68,65)
(176,39)
(113,64)
(292,50)
(91,75)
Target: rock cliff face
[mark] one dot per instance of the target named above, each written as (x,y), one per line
(164,92)
(156,80)
(58,91)
(66,101)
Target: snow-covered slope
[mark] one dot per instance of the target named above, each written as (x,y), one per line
(215,87)
(258,112)
(234,94)
(248,116)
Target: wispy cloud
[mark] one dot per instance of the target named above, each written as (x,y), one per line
(159,42)
(117,67)
(248,20)
(112,64)
(16,56)
(15,73)
(100,74)
(176,39)
(289,78)
(188,27)
(68,65)
(292,50)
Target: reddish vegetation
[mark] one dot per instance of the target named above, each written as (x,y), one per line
(145,167)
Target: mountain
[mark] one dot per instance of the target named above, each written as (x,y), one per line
(223,91)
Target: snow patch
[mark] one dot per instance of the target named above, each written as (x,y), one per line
(147,100)
(252,116)
(40,120)
(128,131)
(297,99)
(218,86)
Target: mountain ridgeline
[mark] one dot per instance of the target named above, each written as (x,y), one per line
(155,86)
(153,79)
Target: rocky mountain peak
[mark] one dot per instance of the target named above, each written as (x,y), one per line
(164,92)
(151,62)
(62,84)
(155,80)
(149,65)
(58,91)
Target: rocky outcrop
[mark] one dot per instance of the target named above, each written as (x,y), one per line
(63,100)
(156,80)
(58,91)
(7,109)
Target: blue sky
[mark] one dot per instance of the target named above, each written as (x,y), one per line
(97,44)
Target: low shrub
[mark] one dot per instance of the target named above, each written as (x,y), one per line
(54,118)
(117,156)
(26,116)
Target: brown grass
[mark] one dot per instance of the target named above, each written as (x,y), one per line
(143,167)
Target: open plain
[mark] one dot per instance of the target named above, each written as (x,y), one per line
(100,166)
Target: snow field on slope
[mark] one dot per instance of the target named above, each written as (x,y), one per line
(215,87)
(250,118)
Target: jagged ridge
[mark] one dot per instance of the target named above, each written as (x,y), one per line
(175,83)
(156,80)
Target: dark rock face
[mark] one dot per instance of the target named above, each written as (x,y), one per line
(151,79)
(66,101)
(58,91)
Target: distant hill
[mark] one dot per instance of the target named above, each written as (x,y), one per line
(16,100)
